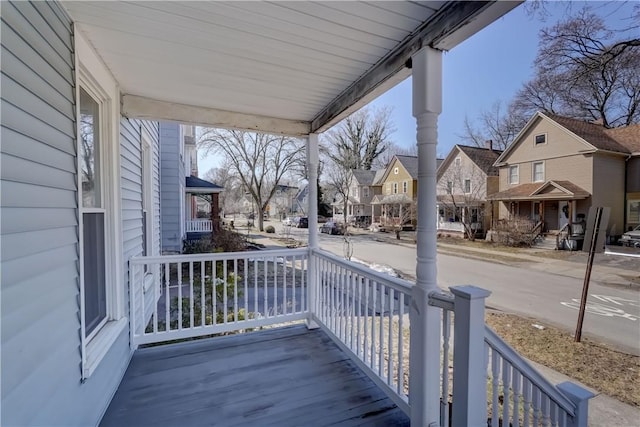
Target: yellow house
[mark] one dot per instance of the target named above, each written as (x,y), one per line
(399,185)
(558,167)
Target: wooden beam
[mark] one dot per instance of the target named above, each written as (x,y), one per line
(139,107)
(447,28)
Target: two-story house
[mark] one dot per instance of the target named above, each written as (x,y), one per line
(465,178)
(283,201)
(558,167)
(399,191)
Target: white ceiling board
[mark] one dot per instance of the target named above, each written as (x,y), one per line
(296,62)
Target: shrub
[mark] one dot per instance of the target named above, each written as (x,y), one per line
(270,229)
(221,241)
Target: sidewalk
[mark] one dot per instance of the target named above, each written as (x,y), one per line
(603,410)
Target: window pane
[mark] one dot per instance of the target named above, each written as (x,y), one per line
(95,301)
(538,174)
(89,150)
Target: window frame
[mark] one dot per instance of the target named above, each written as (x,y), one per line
(510,177)
(405,187)
(533,171)
(95,79)
(535,139)
(396,170)
(464,186)
(395,188)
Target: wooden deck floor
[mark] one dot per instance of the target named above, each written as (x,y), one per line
(278,377)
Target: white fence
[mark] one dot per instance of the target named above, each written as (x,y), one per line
(198,226)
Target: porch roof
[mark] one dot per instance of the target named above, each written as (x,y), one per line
(391,199)
(201,186)
(279,67)
(550,190)
(246,379)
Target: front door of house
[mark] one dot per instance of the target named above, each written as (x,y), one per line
(563,214)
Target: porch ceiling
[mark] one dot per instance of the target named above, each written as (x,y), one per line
(285,67)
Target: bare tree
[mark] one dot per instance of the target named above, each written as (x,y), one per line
(393,149)
(402,212)
(232,195)
(499,124)
(462,189)
(260,161)
(586,70)
(355,143)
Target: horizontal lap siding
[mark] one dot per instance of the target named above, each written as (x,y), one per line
(171,186)
(41,356)
(131,184)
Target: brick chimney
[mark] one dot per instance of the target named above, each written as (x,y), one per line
(489,144)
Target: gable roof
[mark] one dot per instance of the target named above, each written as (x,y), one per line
(595,136)
(484,158)
(364,177)
(628,136)
(549,190)
(410,163)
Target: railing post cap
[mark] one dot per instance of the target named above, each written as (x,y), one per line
(469,292)
(575,392)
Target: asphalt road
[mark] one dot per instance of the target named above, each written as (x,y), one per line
(613,313)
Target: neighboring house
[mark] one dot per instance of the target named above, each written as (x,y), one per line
(82,279)
(465,178)
(181,189)
(398,191)
(361,192)
(283,201)
(558,167)
(302,200)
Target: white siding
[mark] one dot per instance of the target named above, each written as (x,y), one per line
(41,359)
(172,187)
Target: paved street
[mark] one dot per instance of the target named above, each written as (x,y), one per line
(613,314)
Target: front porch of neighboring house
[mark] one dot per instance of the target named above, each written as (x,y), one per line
(201,220)
(453,217)
(395,210)
(354,363)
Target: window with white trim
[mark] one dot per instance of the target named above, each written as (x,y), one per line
(365,191)
(395,171)
(457,162)
(540,139)
(514,174)
(538,172)
(395,188)
(405,186)
(467,186)
(449,187)
(147,197)
(102,314)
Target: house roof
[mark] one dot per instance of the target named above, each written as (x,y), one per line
(197,185)
(364,177)
(275,67)
(484,158)
(628,136)
(377,180)
(410,163)
(549,190)
(391,199)
(594,136)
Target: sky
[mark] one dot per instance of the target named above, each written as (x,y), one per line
(488,67)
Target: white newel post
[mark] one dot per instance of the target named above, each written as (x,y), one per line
(424,381)
(469,368)
(580,397)
(312,279)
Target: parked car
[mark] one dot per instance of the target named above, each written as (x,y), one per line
(331,227)
(631,238)
(377,227)
(288,221)
(303,222)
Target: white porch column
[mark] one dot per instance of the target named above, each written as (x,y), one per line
(312,172)
(424,382)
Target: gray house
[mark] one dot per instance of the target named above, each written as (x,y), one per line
(84,85)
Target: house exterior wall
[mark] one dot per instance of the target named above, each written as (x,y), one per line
(610,191)
(399,178)
(172,189)
(40,277)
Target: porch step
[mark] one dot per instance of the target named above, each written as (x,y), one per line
(546,241)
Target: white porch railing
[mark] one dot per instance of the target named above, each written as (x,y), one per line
(516,394)
(450,226)
(203,294)
(198,226)
(366,314)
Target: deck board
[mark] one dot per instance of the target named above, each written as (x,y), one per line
(282,377)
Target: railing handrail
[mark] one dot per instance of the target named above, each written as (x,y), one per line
(393,282)
(199,220)
(442,299)
(510,355)
(222,256)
